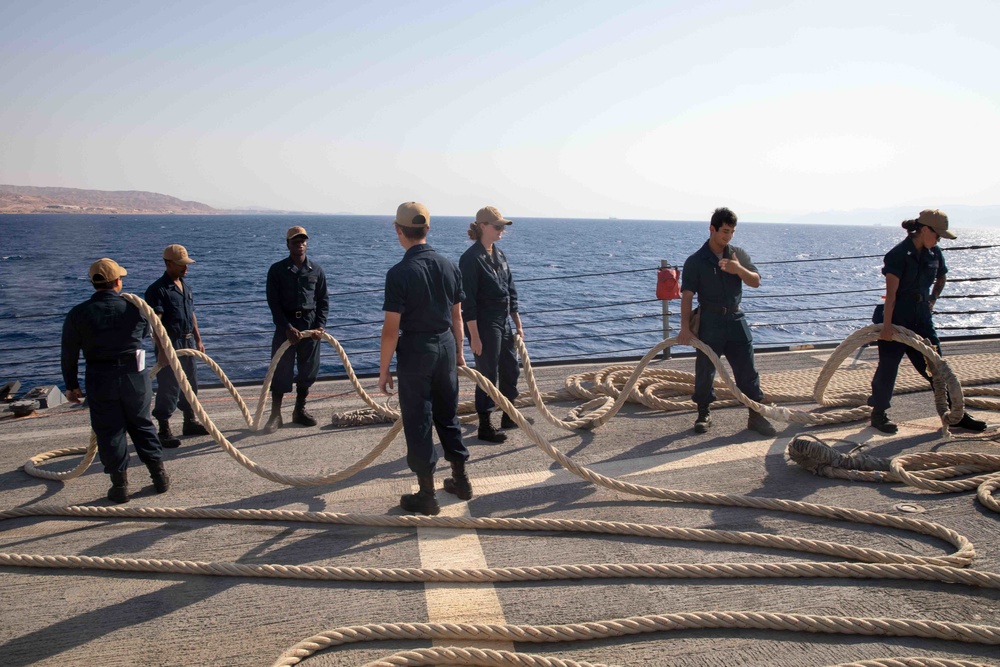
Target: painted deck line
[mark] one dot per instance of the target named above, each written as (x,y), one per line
(458,603)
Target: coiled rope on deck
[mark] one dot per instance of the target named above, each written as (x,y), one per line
(931,471)
(873,563)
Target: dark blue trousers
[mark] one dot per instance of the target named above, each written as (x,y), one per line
(305,354)
(119,398)
(728,337)
(168,391)
(498,359)
(916,318)
(428,395)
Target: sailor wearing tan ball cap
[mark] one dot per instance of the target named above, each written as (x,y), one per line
(172,298)
(489,306)
(423,329)
(297,297)
(109,331)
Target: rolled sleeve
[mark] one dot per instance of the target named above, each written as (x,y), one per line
(154,297)
(744,257)
(395,295)
(689,276)
(893,263)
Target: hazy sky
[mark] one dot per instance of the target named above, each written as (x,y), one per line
(573,108)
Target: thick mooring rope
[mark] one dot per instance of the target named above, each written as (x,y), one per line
(636,625)
(931,471)
(870,563)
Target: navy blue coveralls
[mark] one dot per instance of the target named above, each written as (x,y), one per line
(490,299)
(422,288)
(917,273)
(297,298)
(723,325)
(109,330)
(176,309)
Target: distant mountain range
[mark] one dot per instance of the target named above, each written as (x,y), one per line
(28,199)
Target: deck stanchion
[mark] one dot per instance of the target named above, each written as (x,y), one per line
(666,315)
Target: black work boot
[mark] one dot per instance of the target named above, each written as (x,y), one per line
(458,484)
(274,421)
(704,420)
(507,422)
(166,436)
(118,493)
(757,422)
(161,480)
(192,426)
(424,501)
(881,421)
(486,430)
(299,414)
(970,423)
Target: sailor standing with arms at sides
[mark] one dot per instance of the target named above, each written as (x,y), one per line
(172,299)
(423,328)
(914,278)
(490,303)
(109,330)
(717,273)
(297,297)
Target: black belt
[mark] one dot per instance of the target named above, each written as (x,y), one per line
(123,360)
(493,303)
(298,314)
(719,310)
(915,297)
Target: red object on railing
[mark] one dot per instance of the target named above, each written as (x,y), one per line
(668,284)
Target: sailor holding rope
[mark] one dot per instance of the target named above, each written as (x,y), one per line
(173,300)
(298,300)
(717,273)
(914,273)
(109,330)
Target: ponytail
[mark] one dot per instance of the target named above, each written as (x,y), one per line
(475,232)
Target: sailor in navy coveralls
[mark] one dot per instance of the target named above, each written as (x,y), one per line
(423,328)
(172,299)
(109,330)
(297,297)
(489,305)
(914,273)
(717,273)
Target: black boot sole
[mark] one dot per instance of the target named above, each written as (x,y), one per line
(410,503)
(463,492)
(119,497)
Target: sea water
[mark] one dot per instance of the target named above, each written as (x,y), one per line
(570,310)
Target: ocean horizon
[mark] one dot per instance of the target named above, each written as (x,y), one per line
(586,286)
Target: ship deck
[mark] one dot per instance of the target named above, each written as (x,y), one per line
(67,616)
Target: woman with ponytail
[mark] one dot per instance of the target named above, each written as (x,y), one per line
(490,304)
(914,273)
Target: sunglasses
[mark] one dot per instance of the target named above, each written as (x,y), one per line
(499,227)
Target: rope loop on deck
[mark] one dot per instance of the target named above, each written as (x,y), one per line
(613,389)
